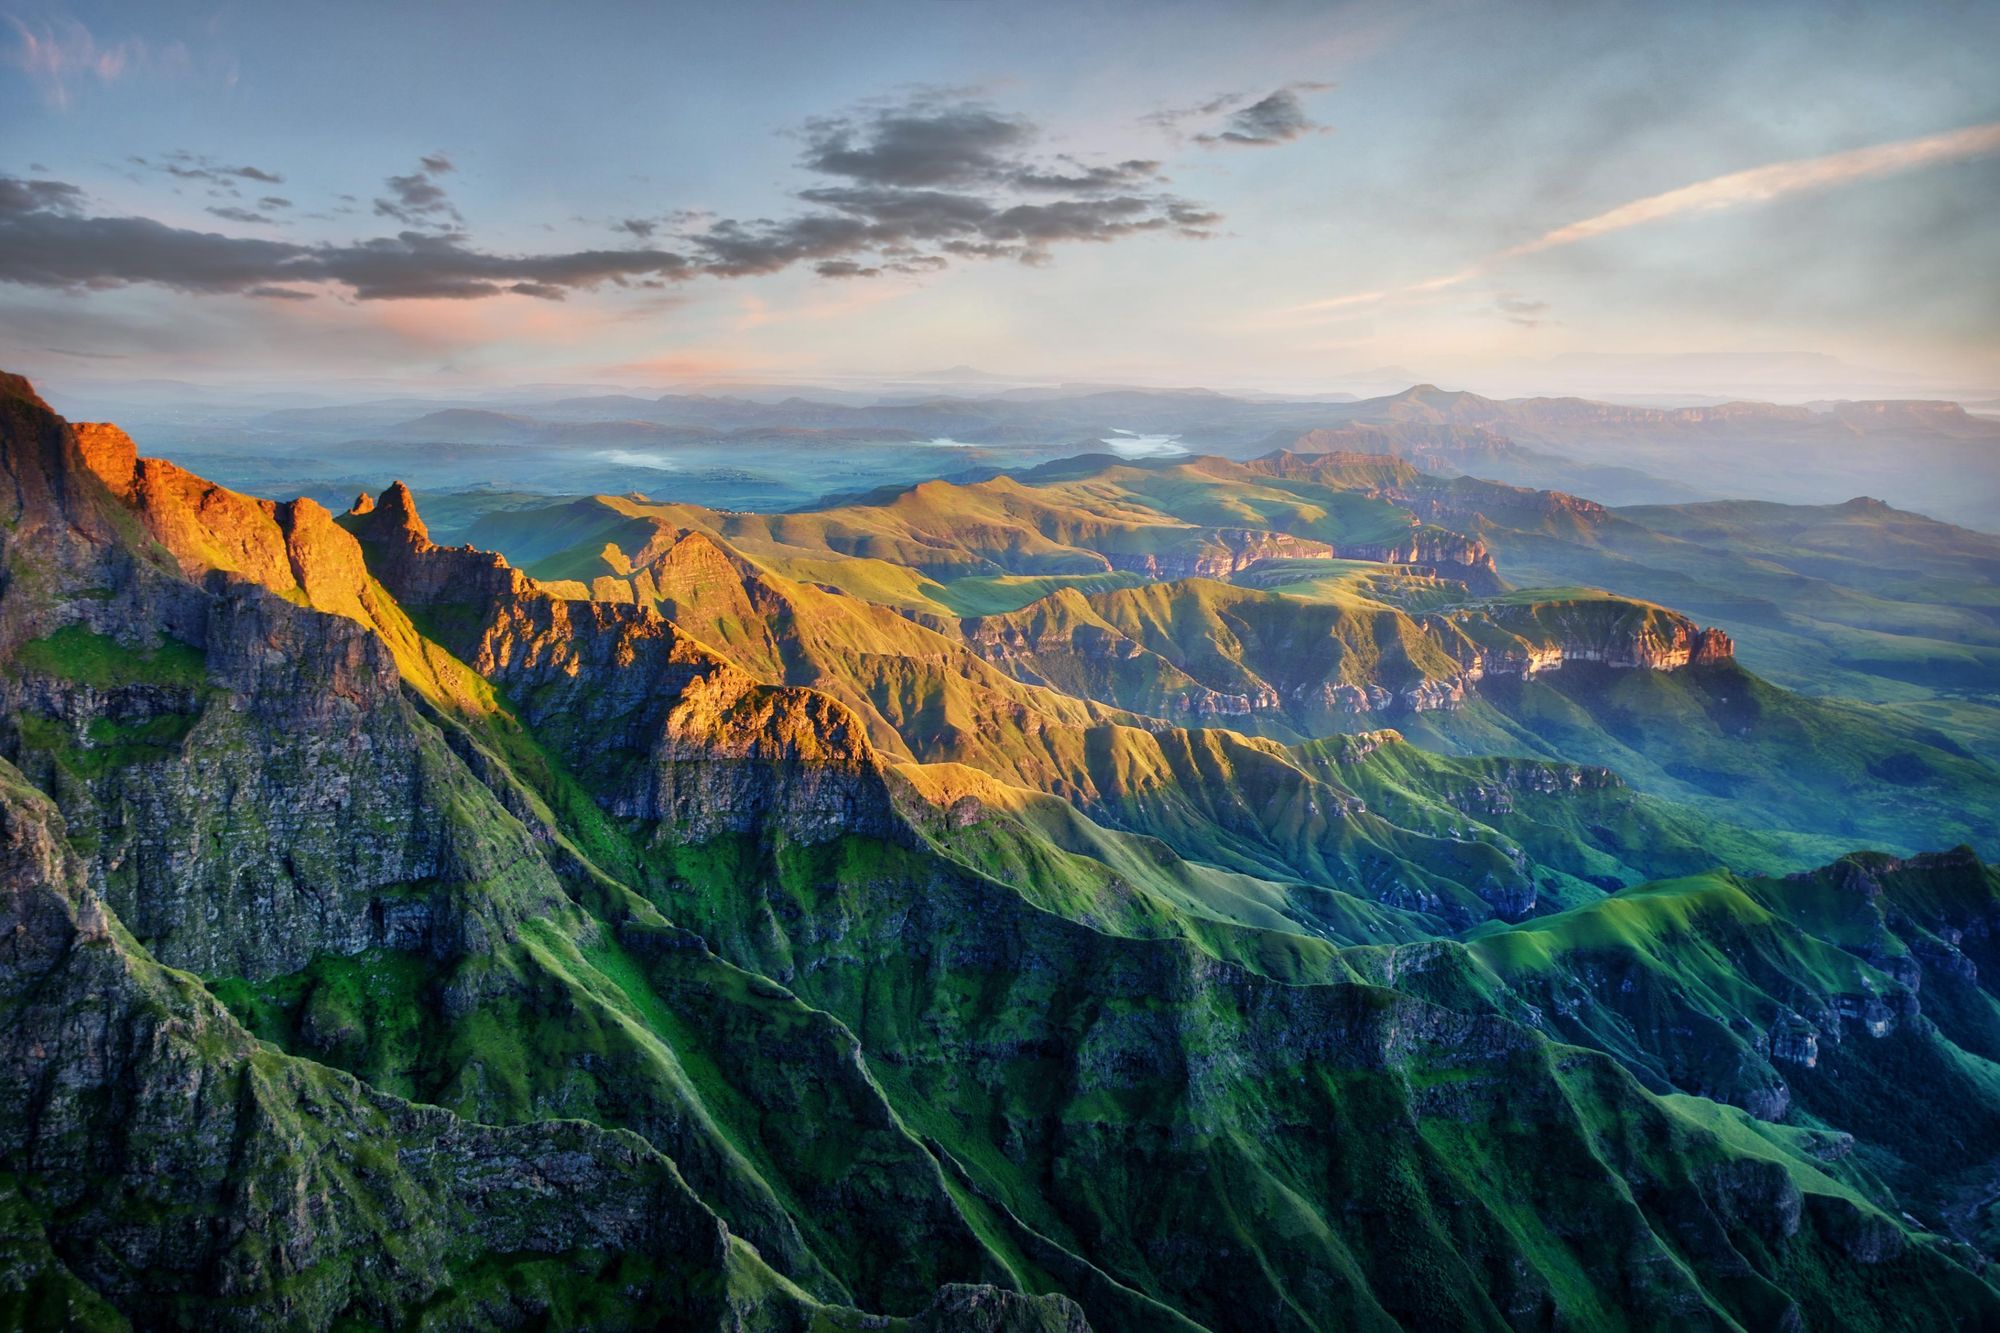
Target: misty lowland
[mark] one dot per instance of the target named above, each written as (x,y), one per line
(981,669)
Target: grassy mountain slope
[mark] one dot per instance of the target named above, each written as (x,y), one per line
(1855,599)
(724,1015)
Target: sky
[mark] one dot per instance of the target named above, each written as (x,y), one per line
(1260,195)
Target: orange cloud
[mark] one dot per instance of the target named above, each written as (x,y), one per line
(690,366)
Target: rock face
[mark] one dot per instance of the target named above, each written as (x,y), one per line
(1664,643)
(1449,554)
(1198,650)
(1221,553)
(665,729)
(193,1178)
(258,786)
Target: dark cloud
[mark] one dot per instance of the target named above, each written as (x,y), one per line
(196,167)
(919,145)
(417,200)
(233,214)
(1244,119)
(274,201)
(906,225)
(1079,179)
(915,188)
(1171,118)
(1276,118)
(46,241)
(19,196)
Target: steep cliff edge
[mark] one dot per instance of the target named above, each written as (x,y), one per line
(663,728)
(256,783)
(1200,649)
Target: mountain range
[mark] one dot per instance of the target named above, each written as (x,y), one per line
(1293,887)
(782,447)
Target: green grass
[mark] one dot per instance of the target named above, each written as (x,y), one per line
(999,593)
(101,662)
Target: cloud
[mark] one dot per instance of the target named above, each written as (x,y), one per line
(920,144)
(184,165)
(19,196)
(1733,190)
(56,56)
(874,218)
(1171,118)
(1077,178)
(417,200)
(1761,184)
(1276,118)
(931,142)
(1518,309)
(233,214)
(46,240)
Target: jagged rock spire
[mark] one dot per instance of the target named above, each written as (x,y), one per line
(398,508)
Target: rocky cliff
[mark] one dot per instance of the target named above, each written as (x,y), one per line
(1204,650)
(666,729)
(250,788)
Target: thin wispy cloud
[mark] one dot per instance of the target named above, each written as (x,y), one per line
(59,56)
(1737,189)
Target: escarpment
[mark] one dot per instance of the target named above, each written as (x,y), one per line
(1205,650)
(257,787)
(391,936)
(1219,554)
(189,1176)
(666,729)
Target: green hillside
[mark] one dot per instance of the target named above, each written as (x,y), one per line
(714,928)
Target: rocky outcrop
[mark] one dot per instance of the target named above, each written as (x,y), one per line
(219,710)
(1502,782)
(1330,699)
(1682,645)
(663,728)
(1436,550)
(1219,553)
(1204,652)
